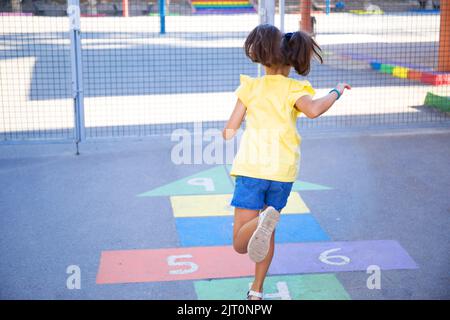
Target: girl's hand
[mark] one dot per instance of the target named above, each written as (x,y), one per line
(342,86)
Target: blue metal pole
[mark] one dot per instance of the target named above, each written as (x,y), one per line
(162,16)
(328,7)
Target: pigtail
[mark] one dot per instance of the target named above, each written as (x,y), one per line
(298,49)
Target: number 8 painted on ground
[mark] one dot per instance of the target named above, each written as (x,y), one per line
(325,258)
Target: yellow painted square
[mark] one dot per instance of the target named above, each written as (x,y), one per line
(219,205)
(400,72)
(295,204)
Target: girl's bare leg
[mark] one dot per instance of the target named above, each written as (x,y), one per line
(245,223)
(262,267)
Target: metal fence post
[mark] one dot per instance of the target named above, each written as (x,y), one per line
(281,11)
(73,11)
(125,11)
(266,12)
(162,16)
(306,22)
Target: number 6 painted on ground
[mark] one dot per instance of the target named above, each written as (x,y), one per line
(325,258)
(171,261)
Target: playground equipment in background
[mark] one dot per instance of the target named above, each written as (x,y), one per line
(326,5)
(366,11)
(369,8)
(440,76)
(422,74)
(222,6)
(406,72)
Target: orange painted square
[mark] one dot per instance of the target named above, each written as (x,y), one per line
(414,75)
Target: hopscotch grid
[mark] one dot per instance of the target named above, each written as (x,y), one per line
(330,253)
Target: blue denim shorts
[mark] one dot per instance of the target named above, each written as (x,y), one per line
(255,194)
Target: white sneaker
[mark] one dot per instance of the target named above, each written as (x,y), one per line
(259,243)
(257,295)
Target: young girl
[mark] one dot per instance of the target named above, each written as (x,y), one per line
(266,164)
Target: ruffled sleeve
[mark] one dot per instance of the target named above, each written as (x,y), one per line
(299,89)
(243,92)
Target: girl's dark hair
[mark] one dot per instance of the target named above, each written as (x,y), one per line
(298,48)
(263,45)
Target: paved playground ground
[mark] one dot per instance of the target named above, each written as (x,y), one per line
(123,221)
(140,227)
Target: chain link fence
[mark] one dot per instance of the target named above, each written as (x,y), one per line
(143,77)
(35,97)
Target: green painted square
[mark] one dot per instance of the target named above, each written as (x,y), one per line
(212,181)
(386,68)
(293,287)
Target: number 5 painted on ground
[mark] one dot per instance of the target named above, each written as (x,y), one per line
(171,261)
(325,257)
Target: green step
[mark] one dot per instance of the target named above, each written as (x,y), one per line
(439,102)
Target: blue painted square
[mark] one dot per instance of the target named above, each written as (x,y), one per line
(218,230)
(205,231)
(375,65)
(299,228)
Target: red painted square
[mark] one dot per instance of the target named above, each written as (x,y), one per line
(129,266)
(435,79)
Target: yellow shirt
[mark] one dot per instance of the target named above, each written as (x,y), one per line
(270,145)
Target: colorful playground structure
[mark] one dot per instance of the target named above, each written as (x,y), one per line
(222,6)
(400,70)
(412,73)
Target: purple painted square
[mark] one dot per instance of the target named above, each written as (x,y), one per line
(339,256)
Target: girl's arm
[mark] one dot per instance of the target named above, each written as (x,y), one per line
(314,108)
(234,123)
